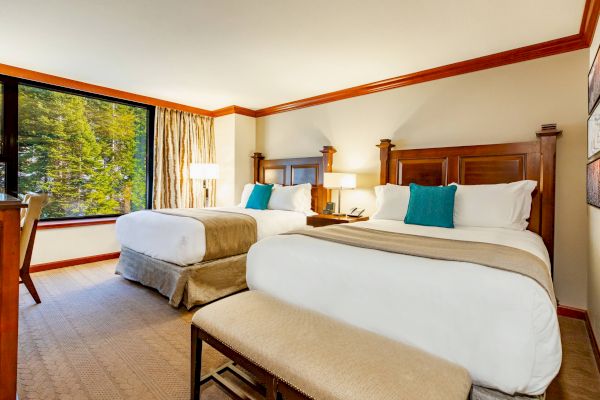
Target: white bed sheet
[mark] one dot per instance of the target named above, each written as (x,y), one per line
(180,240)
(499,325)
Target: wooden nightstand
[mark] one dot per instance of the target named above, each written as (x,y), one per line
(329,219)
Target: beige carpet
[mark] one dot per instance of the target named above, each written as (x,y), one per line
(98,336)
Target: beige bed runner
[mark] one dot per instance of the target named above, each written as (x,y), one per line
(487,254)
(227,233)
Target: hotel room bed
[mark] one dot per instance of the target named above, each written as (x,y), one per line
(195,256)
(180,240)
(500,325)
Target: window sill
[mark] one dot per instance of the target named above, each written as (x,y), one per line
(70,223)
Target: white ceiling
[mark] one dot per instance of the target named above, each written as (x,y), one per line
(259,53)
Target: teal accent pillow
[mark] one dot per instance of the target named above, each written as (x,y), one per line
(259,198)
(431,206)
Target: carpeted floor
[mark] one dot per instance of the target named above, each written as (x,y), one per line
(98,336)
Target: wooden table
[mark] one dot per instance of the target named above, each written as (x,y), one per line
(330,219)
(10,233)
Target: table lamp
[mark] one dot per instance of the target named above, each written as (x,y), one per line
(204,171)
(339,181)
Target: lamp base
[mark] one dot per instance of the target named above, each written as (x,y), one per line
(339,214)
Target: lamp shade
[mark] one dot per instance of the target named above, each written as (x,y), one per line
(338,180)
(204,171)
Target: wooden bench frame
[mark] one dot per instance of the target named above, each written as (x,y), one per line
(270,386)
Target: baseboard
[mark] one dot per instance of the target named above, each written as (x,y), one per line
(593,341)
(577,313)
(73,261)
(572,312)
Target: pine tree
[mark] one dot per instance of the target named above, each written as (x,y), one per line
(89,154)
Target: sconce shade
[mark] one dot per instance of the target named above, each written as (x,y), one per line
(204,171)
(338,180)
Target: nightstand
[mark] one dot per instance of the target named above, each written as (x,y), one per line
(330,219)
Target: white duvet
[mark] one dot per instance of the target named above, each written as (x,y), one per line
(499,325)
(180,240)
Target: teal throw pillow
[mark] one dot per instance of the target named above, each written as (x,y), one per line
(259,198)
(431,206)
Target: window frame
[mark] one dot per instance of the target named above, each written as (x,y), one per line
(9,154)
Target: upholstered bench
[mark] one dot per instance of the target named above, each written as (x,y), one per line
(300,354)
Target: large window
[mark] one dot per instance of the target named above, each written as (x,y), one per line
(89,153)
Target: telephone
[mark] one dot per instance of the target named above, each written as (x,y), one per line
(356,212)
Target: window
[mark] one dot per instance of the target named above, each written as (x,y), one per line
(90,153)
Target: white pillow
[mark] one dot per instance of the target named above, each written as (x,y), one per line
(307,202)
(505,205)
(391,202)
(248,187)
(291,198)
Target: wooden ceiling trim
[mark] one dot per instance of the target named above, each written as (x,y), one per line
(579,41)
(96,89)
(552,47)
(589,20)
(234,110)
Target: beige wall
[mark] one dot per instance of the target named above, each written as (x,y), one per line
(225,145)
(74,242)
(245,145)
(504,104)
(594,233)
(235,141)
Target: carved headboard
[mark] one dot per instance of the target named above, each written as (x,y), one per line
(295,171)
(483,164)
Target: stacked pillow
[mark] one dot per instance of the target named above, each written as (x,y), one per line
(259,197)
(289,198)
(248,188)
(391,202)
(431,206)
(505,205)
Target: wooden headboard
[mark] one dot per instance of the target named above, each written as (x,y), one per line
(483,164)
(295,171)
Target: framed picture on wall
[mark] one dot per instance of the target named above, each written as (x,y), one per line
(593,183)
(593,84)
(593,133)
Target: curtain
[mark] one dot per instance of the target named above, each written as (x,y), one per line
(180,139)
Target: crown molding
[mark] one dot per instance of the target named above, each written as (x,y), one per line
(234,110)
(552,47)
(566,44)
(589,20)
(95,89)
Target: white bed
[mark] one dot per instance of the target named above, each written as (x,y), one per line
(180,240)
(500,325)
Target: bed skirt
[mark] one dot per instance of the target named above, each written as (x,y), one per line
(191,285)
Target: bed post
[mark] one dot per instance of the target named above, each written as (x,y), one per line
(256,158)
(327,152)
(547,136)
(328,158)
(385,147)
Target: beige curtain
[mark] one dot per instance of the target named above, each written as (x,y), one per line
(180,139)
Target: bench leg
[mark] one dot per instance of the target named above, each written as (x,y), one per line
(196,364)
